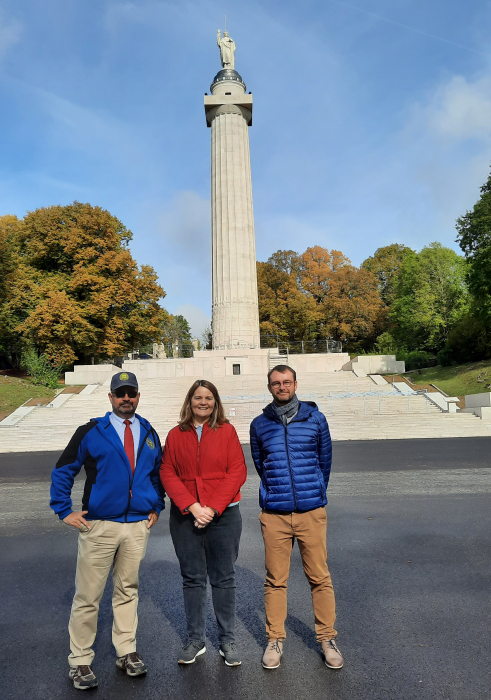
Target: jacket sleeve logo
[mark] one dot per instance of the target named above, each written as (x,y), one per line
(124,377)
(150,443)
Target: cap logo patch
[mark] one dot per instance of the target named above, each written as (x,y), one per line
(124,377)
(150,443)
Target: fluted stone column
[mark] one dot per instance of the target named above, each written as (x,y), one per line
(235,313)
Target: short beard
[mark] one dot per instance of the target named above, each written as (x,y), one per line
(283,402)
(125,414)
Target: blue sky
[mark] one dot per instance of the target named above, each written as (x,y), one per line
(372,121)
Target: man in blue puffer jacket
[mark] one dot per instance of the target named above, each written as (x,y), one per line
(121,501)
(291,448)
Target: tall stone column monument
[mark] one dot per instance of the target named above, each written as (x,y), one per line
(235,313)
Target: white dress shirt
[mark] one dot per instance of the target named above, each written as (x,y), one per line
(119,427)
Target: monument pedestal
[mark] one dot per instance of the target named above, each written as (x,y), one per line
(206,364)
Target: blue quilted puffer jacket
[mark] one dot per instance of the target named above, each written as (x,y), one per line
(293,461)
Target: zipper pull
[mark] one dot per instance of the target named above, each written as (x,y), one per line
(131,494)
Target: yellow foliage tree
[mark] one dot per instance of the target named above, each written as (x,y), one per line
(318,294)
(76,290)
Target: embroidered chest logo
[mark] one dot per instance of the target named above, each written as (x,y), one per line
(150,443)
(124,377)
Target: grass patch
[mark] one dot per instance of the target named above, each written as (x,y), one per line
(471,378)
(14,391)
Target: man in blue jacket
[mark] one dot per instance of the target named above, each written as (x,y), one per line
(121,501)
(291,448)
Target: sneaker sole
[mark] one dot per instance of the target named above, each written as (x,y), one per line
(334,668)
(138,673)
(133,675)
(201,651)
(84,687)
(235,663)
(270,668)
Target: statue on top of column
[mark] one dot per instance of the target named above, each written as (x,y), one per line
(227,50)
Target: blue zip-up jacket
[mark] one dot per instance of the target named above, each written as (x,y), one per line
(293,461)
(111,491)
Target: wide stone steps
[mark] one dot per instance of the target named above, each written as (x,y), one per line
(379,416)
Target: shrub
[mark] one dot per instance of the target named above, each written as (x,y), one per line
(469,340)
(385,344)
(40,369)
(446,358)
(417,359)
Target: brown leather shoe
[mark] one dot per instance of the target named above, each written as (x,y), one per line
(272,655)
(332,655)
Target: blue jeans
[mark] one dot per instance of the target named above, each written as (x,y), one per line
(209,552)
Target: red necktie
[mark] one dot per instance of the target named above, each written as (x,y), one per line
(129,445)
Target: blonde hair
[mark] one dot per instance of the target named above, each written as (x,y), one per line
(218,414)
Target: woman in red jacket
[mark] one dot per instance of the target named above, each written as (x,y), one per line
(202,471)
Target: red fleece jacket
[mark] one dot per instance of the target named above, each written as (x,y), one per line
(210,472)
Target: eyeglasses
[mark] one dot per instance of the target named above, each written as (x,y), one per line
(287,384)
(123,390)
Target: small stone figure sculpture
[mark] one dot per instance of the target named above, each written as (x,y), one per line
(227,50)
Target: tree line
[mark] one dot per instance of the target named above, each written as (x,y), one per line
(70,291)
(399,301)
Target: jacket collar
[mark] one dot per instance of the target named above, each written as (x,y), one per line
(107,431)
(305,410)
(206,429)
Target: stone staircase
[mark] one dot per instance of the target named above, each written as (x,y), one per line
(277,357)
(356,408)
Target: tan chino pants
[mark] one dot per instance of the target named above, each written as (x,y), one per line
(106,544)
(279,534)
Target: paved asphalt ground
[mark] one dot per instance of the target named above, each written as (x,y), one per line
(410,556)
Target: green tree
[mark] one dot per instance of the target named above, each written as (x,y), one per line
(430,297)
(76,291)
(474,238)
(8,227)
(385,265)
(176,330)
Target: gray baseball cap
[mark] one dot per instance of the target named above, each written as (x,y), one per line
(123,379)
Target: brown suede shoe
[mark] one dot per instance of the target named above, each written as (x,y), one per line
(332,655)
(272,655)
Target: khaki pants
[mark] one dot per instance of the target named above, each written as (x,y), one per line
(106,544)
(279,534)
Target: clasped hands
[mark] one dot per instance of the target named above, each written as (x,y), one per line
(203,515)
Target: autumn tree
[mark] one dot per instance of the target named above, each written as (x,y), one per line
(346,297)
(76,291)
(430,297)
(318,295)
(385,265)
(284,311)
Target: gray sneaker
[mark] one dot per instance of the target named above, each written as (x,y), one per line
(230,653)
(83,677)
(190,651)
(132,663)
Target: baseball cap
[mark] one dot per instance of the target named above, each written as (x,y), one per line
(123,379)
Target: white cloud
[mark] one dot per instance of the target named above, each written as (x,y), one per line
(196,318)
(10,34)
(461,109)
